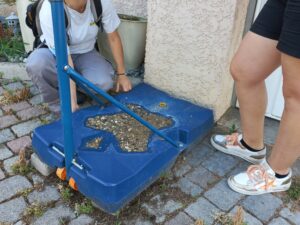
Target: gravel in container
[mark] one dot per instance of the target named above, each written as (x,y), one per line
(132,135)
(94,143)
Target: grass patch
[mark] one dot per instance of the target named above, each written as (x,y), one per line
(86,207)
(44,121)
(22,169)
(199,222)
(10,97)
(64,221)
(294,191)
(227,219)
(12,49)
(26,192)
(16,79)
(233,129)
(34,210)
(66,193)
(22,166)
(1,75)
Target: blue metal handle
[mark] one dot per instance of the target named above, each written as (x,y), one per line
(76,76)
(58,19)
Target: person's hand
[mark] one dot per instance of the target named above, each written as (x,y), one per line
(75,106)
(123,84)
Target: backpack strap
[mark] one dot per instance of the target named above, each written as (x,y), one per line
(38,22)
(37,18)
(96,7)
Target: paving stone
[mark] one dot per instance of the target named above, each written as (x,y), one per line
(248,219)
(48,118)
(279,221)
(53,216)
(28,83)
(222,196)
(8,163)
(17,106)
(11,186)
(180,219)
(293,217)
(296,168)
(198,154)
(20,143)
(36,179)
(12,210)
(6,135)
(202,177)
(4,153)
(243,166)
(138,222)
(7,121)
(26,127)
(36,100)
(263,207)
(220,163)
(50,194)
(14,86)
(202,209)
(160,209)
(30,113)
(34,90)
(182,170)
(1,112)
(231,117)
(188,187)
(2,175)
(82,220)
(20,223)
(40,166)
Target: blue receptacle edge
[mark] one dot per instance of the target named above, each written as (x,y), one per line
(112,178)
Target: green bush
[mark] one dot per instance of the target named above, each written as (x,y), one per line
(12,48)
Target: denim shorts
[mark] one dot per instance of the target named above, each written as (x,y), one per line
(280,20)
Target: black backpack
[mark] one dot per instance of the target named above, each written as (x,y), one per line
(33,22)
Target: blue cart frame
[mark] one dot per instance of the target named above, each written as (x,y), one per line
(65,72)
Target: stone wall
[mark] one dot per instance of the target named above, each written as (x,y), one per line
(189,48)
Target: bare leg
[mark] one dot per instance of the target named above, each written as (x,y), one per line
(287,146)
(255,60)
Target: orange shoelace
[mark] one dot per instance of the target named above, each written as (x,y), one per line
(232,139)
(258,174)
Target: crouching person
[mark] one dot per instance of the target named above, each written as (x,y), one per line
(82,30)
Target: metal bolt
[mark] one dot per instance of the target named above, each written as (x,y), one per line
(66,67)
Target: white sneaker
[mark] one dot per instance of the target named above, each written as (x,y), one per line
(230,144)
(259,179)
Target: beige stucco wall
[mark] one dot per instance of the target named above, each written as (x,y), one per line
(189,47)
(131,7)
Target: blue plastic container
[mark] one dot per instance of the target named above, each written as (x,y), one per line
(109,176)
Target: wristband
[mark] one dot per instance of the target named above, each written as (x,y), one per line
(121,74)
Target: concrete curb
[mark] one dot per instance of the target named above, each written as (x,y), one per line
(13,70)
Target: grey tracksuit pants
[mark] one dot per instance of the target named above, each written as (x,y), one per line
(41,68)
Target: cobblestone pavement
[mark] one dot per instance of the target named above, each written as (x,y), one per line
(195,188)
